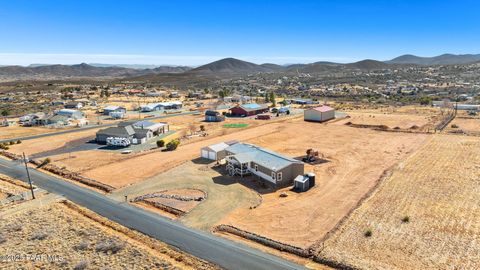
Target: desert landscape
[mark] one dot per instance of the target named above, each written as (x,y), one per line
(424,216)
(59,234)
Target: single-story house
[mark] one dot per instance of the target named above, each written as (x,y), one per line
(8,122)
(117,109)
(74,105)
(66,117)
(319,114)
(74,114)
(213,116)
(216,151)
(156,128)
(32,119)
(173,105)
(126,132)
(59,120)
(249,109)
(275,168)
(135,132)
(302,101)
(240,98)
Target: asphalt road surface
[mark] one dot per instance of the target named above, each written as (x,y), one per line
(220,251)
(87,128)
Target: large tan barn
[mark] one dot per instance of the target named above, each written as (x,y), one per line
(319,114)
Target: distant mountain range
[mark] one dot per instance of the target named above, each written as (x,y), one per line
(39,71)
(444,59)
(224,68)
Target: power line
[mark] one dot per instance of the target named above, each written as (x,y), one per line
(28,175)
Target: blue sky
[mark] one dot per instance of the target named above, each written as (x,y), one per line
(196,32)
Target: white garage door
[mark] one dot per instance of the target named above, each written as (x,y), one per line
(212,155)
(204,154)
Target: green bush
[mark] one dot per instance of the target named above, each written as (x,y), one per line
(161,143)
(172,145)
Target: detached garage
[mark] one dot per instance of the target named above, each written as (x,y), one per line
(216,151)
(319,114)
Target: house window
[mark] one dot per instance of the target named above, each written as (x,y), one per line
(279,176)
(273,175)
(256,167)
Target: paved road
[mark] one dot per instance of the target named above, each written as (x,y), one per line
(223,252)
(87,128)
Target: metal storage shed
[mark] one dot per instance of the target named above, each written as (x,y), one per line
(214,151)
(319,114)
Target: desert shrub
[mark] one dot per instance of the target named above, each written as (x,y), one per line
(161,143)
(348,123)
(414,127)
(454,126)
(19,142)
(172,145)
(39,236)
(406,219)
(11,142)
(202,128)
(2,239)
(81,246)
(397,128)
(44,163)
(111,246)
(81,265)
(13,227)
(383,127)
(368,233)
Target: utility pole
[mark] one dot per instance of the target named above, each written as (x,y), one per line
(28,175)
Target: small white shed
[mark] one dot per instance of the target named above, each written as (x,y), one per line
(319,114)
(214,151)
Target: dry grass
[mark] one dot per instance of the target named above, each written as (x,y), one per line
(438,189)
(355,160)
(80,242)
(19,131)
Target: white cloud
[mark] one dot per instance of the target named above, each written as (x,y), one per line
(43,58)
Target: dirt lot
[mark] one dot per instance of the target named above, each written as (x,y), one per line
(402,121)
(19,131)
(438,190)
(31,147)
(356,159)
(465,125)
(223,194)
(109,165)
(10,187)
(75,241)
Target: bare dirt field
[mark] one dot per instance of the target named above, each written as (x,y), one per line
(425,216)
(19,131)
(59,235)
(464,125)
(10,187)
(356,160)
(35,146)
(109,165)
(402,121)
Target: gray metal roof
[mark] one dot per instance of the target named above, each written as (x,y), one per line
(261,156)
(126,131)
